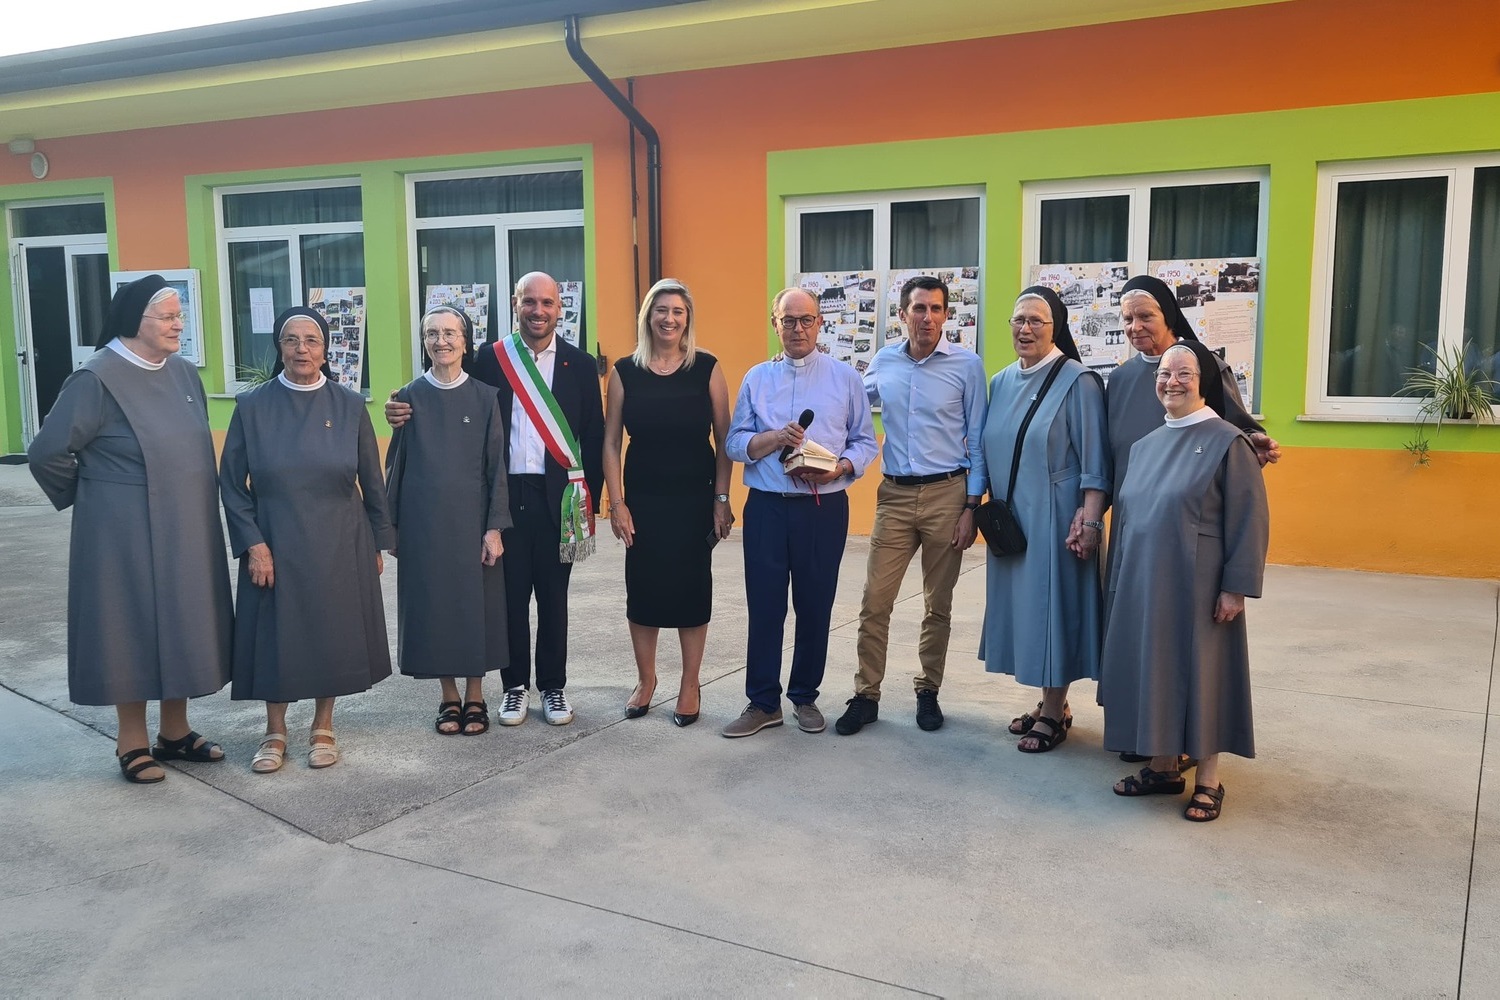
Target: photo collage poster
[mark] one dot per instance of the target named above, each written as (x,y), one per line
(472,300)
(846,309)
(344,309)
(570,298)
(1092,294)
(962,325)
(1221,297)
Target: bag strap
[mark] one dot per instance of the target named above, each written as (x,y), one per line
(1036,401)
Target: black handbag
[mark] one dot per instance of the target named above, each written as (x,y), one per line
(996,518)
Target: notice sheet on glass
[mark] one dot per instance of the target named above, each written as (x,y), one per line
(472,300)
(1092,294)
(344,309)
(570,299)
(1220,296)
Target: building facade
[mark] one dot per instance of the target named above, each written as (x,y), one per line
(1320,178)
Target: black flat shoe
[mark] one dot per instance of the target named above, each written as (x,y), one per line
(134,762)
(679,720)
(191,747)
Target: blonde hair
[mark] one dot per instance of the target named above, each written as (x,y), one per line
(643,354)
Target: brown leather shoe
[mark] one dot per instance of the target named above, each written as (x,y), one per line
(751,721)
(809,719)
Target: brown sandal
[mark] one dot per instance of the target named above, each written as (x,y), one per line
(1021,724)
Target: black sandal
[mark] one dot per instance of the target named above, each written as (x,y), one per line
(1021,724)
(480,714)
(191,747)
(1150,782)
(142,761)
(448,711)
(1213,807)
(1045,741)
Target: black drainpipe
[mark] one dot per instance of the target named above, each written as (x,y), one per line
(648,132)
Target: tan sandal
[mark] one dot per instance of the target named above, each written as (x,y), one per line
(268,759)
(323,754)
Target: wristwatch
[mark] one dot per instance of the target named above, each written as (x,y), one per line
(721,497)
(971,506)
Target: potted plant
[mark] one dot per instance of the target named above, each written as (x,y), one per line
(254,374)
(1450,390)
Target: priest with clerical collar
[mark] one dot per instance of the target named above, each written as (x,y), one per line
(796,521)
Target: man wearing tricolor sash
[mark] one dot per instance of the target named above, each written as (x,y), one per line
(554,424)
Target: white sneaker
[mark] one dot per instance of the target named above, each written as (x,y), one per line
(555,708)
(513,708)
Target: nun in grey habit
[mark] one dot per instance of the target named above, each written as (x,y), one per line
(1193,530)
(1043,615)
(446,480)
(306,507)
(127,446)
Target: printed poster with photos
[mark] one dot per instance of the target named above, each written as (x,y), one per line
(1221,298)
(344,309)
(1092,294)
(846,309)
(570,323)
(962,325)
(472,300)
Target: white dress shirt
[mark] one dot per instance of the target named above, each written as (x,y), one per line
(528,455)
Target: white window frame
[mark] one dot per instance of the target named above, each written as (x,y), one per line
(503,224)
(880,202)
(1138,188)
(225,235)
(1459,171)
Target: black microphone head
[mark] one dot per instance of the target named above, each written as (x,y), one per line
(805,421)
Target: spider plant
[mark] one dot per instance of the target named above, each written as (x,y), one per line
(1450,390)
(255,373)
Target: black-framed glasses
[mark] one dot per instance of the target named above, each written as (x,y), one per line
(790,323)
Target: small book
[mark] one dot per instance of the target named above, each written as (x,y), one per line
(811,456)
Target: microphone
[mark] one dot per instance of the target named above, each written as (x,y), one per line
(804,421)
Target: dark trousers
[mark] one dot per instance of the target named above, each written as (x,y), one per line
(798,539)
(532,567)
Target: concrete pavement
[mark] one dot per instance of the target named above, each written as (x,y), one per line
(1357,856)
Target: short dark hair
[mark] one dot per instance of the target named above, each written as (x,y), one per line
(925,281)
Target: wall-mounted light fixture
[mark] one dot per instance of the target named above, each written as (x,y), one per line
(27,147)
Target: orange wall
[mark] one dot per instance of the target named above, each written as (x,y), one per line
(718,126)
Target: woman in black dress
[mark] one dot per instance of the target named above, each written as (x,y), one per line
(668,395)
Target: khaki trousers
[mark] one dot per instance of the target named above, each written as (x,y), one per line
(908,518)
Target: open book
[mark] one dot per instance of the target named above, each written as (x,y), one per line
(811,456)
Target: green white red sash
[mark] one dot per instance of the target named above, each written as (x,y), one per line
(577,541)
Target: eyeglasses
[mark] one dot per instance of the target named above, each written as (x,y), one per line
(176,317)
(437,335)
(1028,322)
(1162,375)
(790,323)
(311,343)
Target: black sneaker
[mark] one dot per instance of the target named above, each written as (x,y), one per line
(861,712)
(929,716)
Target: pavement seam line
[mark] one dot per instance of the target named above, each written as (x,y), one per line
(645,920)
(81,881)
(1484,740)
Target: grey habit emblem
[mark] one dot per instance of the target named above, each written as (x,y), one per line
(466,419)
(1198,450)
(328,423)
(190,399)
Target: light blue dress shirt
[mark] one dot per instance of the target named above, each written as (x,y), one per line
(775,393)
(933,411)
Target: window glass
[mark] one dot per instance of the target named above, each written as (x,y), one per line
(1075,230)
(58,220)
(1387,282)
(460,257)
(553,191)
(257,264)
(838,241)
(1201,221)
(1482,310)
(301,207)
(941,232)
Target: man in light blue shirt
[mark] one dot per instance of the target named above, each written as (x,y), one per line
(795,523)
(933,398)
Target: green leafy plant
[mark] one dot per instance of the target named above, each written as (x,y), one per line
(254,374)
(1450,390)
